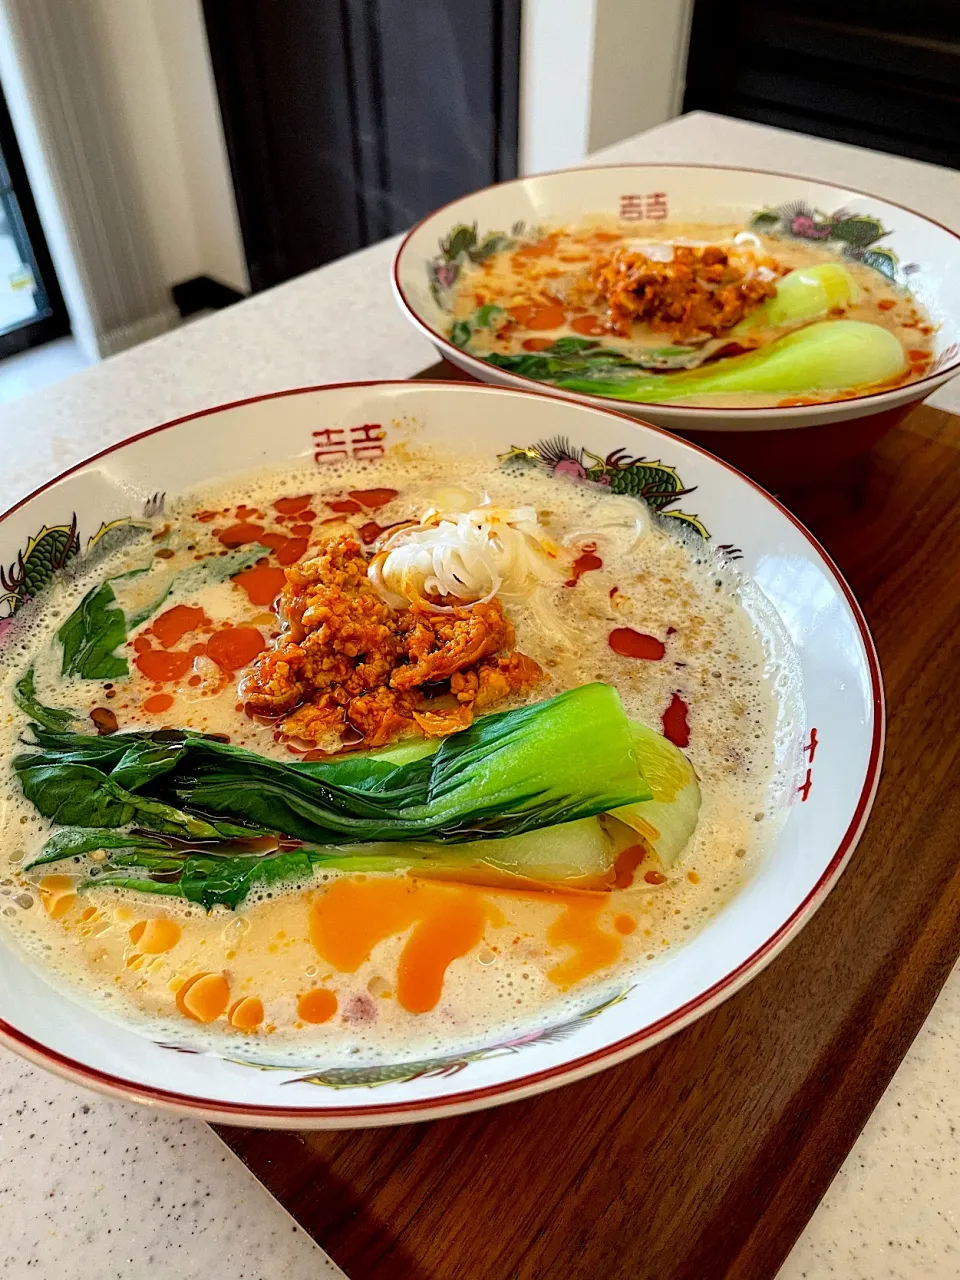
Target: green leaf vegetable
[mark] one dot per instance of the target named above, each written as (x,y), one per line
(460,333)
(91,634)
(53,718)
(552,762)
(826,356)
(568,356)
(516,798)
(518,795)
(804,295)
(829,356)
(108,612)
(667,820)
(72,793)
(575,853)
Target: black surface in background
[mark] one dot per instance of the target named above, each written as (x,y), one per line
(876,73)
(23,223)
(348,120)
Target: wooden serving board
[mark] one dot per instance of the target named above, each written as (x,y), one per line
(705,1156)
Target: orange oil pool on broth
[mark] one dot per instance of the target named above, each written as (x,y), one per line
(535,287)
(398,938)
(474,962)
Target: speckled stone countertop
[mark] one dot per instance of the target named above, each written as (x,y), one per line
(94,1189)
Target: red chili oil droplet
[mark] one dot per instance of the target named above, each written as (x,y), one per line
(104,719)
(635,644)
(346,506)
(537,344)
(674,720)
(292,551)
(626,864)
(301,530)
(369,532)
(287,550)
(160,702)
(373,499)
(612,592)
(162,666)
(292,506)
(262,583)
(239,534)
(584,563)
(235,647)
(173,625)
(531,316)
(588,325)
(654,877)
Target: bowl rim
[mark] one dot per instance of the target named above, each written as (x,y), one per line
(676,411)
(229,1112)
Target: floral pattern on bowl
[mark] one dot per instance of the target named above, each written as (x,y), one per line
(464,246)
(854,235)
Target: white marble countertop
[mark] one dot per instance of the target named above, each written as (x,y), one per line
(92,1189)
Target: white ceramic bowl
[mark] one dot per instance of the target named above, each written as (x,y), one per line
(910,249)
(832,789)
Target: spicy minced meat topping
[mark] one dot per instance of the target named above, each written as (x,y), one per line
(348,663)
(699,291)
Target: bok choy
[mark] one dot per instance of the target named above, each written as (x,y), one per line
(828,356)
(575,854)
(667,820)
(556,761)
(515,798)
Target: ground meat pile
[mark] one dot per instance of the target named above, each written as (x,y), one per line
(698,292)
(350,670)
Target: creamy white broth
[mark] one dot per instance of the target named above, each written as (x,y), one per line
(718,659)
(514,282)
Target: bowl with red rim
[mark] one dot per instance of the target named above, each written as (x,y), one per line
(776,444)
(831,741)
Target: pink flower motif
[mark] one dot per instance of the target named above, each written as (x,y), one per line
(446,274)
(5,625)
(807,229)
(530,1038)
(570,467)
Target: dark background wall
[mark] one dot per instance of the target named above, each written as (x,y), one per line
(877,73)
(347,120)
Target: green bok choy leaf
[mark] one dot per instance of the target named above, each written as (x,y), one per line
(556,761)
(828,356)
(515,799)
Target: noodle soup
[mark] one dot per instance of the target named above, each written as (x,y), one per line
(691,314)
(384,765)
